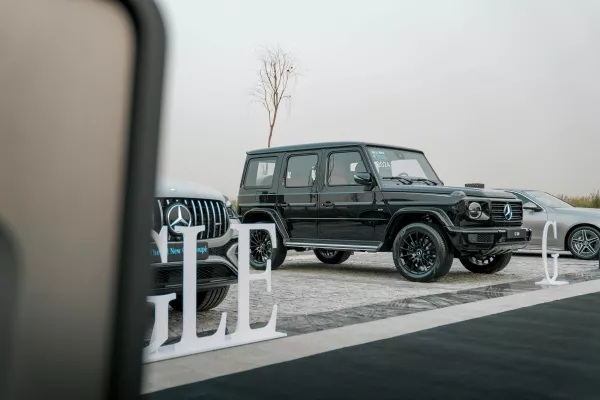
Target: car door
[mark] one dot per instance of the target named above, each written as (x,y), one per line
(297,195)
(535,220)
(258,186)
(346,208)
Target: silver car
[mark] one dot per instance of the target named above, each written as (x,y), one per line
(578,229)
(180,203)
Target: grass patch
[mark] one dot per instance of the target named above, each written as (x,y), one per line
(590,201)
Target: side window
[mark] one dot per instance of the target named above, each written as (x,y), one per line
(522,198)
(341,168)
(301,170)
(260,172)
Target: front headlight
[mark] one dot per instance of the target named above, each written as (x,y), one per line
(478,211)
(231,212)
(475,210)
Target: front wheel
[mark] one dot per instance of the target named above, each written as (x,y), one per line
(261,250)
(584,243)
(421,253)
(205,300)
(486,265)
(332,256)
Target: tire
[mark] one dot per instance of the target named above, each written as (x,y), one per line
(427,243)
(258,259)
(487,265)
(205,300)
(332,256)
(584,243)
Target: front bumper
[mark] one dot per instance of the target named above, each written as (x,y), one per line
(217,270)
(488,241)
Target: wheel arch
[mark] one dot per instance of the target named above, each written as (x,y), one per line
(575,226)
(406,216)
(262,215)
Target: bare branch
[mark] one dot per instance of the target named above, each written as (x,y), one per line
(276,69)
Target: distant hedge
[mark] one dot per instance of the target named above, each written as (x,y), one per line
(590,201)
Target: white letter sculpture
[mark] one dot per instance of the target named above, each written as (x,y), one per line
(547,280)
(190,343)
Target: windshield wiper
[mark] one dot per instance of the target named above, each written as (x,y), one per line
(427,181)
(402,179)
(408,180)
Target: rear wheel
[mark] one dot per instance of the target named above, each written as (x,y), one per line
(205,300)
(584,243)
(261,250)
(421,253)
(332,256)
(486,265)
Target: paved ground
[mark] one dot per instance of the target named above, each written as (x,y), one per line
(304,286)
(534,345)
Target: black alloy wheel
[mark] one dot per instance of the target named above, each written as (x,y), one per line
(486,265)
(261,250)
(332,256)
(421,253)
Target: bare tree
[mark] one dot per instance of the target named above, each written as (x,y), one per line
(277,68)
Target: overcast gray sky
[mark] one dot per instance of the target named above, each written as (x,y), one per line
(501,92)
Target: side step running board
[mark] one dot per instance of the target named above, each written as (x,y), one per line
(332,246)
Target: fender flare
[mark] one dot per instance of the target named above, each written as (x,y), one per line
(272,215)
(441,217)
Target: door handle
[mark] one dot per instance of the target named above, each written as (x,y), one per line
(328,204)
(283,204)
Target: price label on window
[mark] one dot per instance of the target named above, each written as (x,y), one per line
(383,164)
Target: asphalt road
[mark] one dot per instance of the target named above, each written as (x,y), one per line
(305,286)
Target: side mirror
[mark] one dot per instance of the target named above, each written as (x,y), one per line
(363,178)
(530,206)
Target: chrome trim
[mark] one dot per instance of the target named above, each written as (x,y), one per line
(227,222)
(208,218)
(220,220)
(214,225)
(195,214)
(203,234)
(331,246)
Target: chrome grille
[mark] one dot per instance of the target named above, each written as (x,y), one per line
(498,213)
(210,213)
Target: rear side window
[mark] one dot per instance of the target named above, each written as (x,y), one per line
(260,172)
(301,170)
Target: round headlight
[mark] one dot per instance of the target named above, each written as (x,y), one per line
(475,210)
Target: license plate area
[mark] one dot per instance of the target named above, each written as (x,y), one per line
(175,252)
(514,234)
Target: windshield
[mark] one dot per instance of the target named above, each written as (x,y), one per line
(391,163)
(547,200)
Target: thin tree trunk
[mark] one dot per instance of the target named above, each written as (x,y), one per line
(273,125)
(270,135)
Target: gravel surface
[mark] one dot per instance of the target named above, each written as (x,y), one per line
(303,285)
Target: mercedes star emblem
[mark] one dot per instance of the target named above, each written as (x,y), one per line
(178,215)
(508,213)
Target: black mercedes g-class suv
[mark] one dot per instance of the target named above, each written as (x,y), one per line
(190,204)
(338,198)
